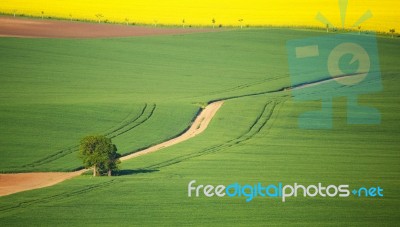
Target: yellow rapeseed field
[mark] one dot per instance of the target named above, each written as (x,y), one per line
(385,13)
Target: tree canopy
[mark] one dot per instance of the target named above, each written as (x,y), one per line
(100,153)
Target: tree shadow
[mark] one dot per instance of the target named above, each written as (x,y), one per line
(125,172)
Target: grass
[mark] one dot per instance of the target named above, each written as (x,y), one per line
(79,87)
(158,196)
(251,139)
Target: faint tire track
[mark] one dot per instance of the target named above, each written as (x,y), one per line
(124,127)
(259,123)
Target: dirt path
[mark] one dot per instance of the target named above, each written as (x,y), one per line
(37,28)
(13,183)
(17,182)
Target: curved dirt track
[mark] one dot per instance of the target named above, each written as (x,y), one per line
(13,183)
(37,28)
(199,125)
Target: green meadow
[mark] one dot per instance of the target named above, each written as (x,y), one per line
(143,90)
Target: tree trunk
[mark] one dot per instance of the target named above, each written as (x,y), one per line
(109,172)
(94,171)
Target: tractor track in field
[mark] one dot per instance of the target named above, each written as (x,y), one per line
(261,120)
(200,123)
(239,87)
(142,118)
(60,196)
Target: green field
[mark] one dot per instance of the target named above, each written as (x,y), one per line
(145,90)
(78,87)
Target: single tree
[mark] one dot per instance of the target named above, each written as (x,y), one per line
(14,12)
(327,28)
(70,17)
(42,14)
(99,152)
(127,21)
(240,21)
(213,22)
(392,31)
(183,23)
(359,30)
(155,23)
